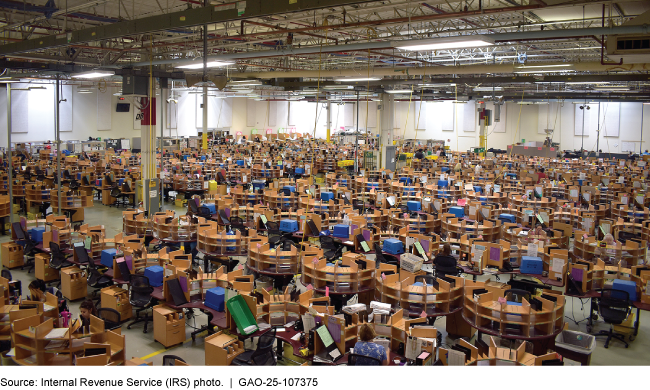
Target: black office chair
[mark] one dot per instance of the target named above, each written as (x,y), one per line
(58,259)
(362,360)
(115,193)
(516,295)
(263,355)
(111,317)
(95,279)
(274,233)
(74,185)
(140,298)
(614,307)
(202,211)
(29,246)
(238,223)
(331,250)
(170,360)
(195,209)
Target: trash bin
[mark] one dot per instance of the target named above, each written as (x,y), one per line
(576,346)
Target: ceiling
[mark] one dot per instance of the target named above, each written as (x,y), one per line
(313,43)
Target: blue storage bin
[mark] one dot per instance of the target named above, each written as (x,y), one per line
(241,164)
(405,180)
(120,181)
(288,225)
(300,171)
(107,257)
(290,188)
(155,273)
(443,183)
(203,158)
(459,212)
(531,265)
(215,298)
(36,234)
(98,182)
(393,246)
(211,206)
(509,218)
(478,189)
(513,175)
(625,285)
(414,205)
(326,196)
(444,169)
(258,184)
(341,231)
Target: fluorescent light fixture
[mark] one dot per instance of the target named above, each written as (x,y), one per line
(546,66)
(93,74)
(544,71)
(400,91)
(338,87)
(246,82)
(39,87)
(8,81)
(358,79)
(612,88)
(85,91)
(646,103)
(437,85)
(210,64)
(488,89)
(586,82)
(458,42)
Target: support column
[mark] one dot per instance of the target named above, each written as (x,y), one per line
(329,120)
(57,134)
(387,115)
(10,170)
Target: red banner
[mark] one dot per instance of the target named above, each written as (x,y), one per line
(148,111)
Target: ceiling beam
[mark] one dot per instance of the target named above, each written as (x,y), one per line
(175,20)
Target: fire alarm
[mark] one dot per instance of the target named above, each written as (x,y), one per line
(121,98)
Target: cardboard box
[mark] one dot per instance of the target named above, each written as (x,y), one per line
(117,298)
(42,269)
(12,255)
(221,349)
(73,283)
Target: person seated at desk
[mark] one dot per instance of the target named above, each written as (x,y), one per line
(366,347)
(86,309)
(444,263)
(541,175)
(419,154)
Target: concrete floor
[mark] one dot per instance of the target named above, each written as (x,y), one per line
(142,345)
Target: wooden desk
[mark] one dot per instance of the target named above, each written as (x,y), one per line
(214,317)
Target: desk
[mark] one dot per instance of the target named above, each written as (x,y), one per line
(543,279)
(214,317)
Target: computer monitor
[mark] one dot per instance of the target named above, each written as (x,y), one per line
(363,243)
(312,228)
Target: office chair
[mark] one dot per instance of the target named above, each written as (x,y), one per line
(108,180)
(15,287)
(202,211)
(274,233)
(29,246)
(194,208)
(74,185)
(331,250)
(43,209)
(58,259)
(358,205)
(238,223)
(66,174)
(140,298)
(516,295)
(170,360)
(95,279)
(614,307)
(263,355)
(115,193)
(111,317)
(362,360)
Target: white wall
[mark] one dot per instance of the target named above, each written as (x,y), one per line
(33,120)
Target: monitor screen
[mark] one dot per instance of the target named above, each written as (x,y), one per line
(123,107)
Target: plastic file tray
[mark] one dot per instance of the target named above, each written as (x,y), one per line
(241,314)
